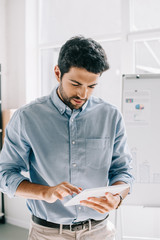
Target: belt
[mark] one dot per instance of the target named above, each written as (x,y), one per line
(73,227)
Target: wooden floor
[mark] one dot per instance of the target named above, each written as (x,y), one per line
(11,232)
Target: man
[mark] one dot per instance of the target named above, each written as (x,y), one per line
(68,141)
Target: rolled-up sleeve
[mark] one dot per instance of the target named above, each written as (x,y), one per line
(121,165)
(14,157)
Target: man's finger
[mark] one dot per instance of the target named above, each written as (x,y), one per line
(100,201)
(73,188)
(95,206)
(64,190)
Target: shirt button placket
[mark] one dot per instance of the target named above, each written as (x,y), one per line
(72,125)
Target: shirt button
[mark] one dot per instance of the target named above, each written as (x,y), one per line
(79,208)
(72,120)
(74,164)
(73,142)
(61,110)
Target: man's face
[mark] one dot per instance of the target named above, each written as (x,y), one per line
(76,86)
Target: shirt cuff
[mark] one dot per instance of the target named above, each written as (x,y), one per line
(127,180)
(12,184)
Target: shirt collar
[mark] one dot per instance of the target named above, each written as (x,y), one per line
(61,106)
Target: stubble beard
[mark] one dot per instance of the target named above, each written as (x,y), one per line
(66,99)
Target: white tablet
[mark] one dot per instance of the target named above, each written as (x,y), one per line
(96,192)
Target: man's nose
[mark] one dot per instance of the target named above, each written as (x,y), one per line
(82,93)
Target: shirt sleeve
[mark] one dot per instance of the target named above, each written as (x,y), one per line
(14,157)
(121,165)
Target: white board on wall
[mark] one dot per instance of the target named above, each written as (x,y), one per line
(141,111)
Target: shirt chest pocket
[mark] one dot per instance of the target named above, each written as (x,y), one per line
(97,152)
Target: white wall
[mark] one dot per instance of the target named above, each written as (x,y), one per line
(3,59)
(16,212)
(15,54)
(12,58)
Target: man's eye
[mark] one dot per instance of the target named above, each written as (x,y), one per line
(75,85)
(91,86)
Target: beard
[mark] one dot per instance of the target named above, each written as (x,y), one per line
(67,100)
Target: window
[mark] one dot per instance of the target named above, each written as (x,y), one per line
(61,19)
(147,56)
(49,59)
(144,36)
(145,14)
(110,82)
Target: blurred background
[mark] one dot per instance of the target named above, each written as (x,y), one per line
(31,34)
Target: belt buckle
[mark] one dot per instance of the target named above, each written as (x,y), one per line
(72,227)
(77,227)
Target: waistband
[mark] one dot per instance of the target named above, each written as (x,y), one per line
(73,227)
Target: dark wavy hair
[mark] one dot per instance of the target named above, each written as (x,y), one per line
(82,52)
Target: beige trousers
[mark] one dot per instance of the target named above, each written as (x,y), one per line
(102,231)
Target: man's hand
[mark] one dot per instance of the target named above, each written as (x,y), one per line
(49,194)
(106,203)
(102,204)
(60,191)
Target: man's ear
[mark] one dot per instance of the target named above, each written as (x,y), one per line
(57,73)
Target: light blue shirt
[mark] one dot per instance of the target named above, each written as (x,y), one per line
(85,147)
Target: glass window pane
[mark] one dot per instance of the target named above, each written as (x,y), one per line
(49,58)
(145,14)
(62,19)
(109,86)
(147,56)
